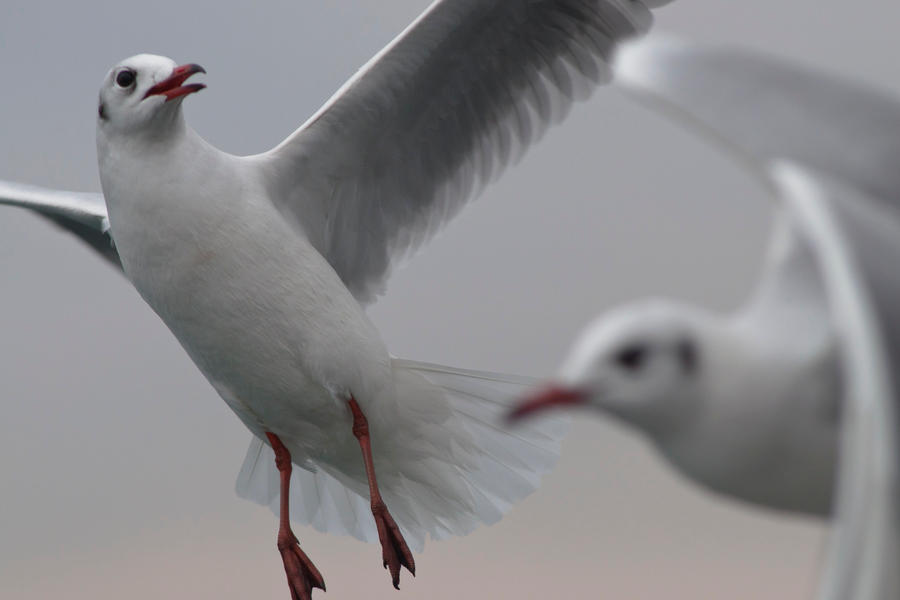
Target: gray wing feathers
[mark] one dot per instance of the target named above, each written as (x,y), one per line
(790,301)
(830,147)
(857,240)
(80,213)
(434,117)
(766,108)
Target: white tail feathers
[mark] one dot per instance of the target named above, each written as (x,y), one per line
(445,464)
(317,498)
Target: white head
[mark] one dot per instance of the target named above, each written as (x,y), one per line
(143,94)
(641,363)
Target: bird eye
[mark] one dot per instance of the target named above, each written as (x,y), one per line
(125,78)
(687,355)
(631,358)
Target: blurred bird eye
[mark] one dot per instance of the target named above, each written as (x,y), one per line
(125,78)
(631,358)
(687,355)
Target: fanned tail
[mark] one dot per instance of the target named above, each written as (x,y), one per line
(317,498)
(445,464)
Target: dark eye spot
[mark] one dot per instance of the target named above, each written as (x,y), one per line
(125,78)
(688,356)
(631,358)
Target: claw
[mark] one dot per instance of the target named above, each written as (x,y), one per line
(395,552)
(302,574)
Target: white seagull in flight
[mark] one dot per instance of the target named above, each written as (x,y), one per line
(750,404)
(262,265)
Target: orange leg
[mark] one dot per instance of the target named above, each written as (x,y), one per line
(302,574)
(394,551)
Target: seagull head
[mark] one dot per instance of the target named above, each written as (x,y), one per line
(144,93)
(640,363)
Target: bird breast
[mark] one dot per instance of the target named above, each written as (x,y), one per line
(256,307)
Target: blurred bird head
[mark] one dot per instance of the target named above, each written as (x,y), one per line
(640,363)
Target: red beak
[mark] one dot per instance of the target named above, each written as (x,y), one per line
(549,397)
(172,87)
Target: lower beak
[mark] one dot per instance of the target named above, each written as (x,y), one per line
(549,397)
(172,87)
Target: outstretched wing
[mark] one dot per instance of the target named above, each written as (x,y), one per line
(764,108)
(830,148)
(83,214)
(433,117)
(857,241)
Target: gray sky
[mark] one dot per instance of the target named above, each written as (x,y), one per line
(118,460)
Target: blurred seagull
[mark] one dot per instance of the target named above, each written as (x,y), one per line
(261,266)
(750,404)
(746,404)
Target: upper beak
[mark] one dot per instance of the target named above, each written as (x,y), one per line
(171,87)
(548,397)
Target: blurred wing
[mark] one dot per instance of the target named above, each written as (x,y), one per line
(790,303)
(831,149)
(83,214)
(433,117)
(766,108)
(857,241)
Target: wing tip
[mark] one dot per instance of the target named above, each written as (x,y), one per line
(640,63)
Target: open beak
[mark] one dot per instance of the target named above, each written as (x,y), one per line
(172,87)
(546,398)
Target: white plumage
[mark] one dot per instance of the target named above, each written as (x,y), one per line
(261,265)
(830,147)
(745,404)
(501,469)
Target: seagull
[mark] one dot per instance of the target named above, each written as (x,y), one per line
(795,392)
(262,266)
(746,404)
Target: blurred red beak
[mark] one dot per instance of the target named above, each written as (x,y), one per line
(549,397)
(172,87)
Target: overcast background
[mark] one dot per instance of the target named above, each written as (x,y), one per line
(117,460)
